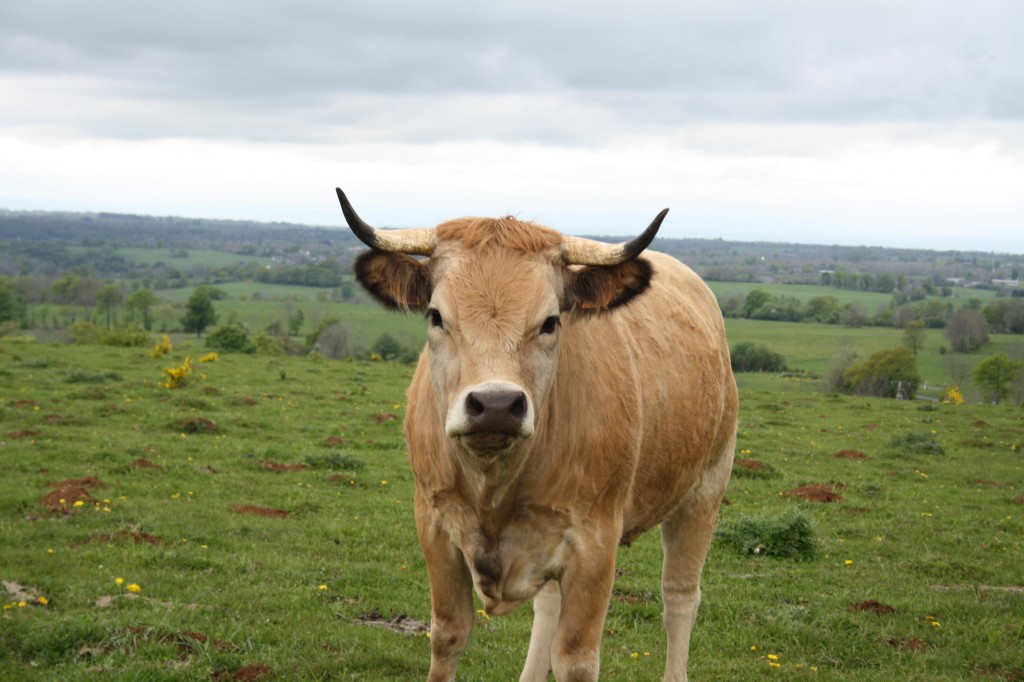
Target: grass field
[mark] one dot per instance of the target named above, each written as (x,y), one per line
(869,301)
(264,515)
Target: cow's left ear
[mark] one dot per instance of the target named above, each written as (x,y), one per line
(398,281)
(599,288)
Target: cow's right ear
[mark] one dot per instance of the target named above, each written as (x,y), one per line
(398,281)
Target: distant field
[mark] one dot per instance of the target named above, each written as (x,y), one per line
(814,347)
(194,257)
(869,301)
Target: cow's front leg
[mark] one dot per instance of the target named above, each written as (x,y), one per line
(451,599)
(586,592)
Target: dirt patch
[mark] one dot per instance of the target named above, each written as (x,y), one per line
(26,433)
(1019,500)
(60,419)
(850,454)
(855,511)
(247,673)
(401,623)
(30,404)
(197,425)
(981,422)
(260,511)
(818,492)
(335,441)
(912,644)
(62,497)
(872,426)
(752,464)
(20,592)
(990,484)
(278,467)
(124,536)
(385,418)
(873,606)
(144,464)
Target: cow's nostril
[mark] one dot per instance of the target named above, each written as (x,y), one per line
(474,407)
(518,408)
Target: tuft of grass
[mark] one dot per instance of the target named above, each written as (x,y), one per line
(335,462)
(789,535)
(918,442)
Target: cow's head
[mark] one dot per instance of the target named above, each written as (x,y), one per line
(495,294)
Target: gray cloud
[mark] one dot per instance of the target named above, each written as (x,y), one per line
(554,73)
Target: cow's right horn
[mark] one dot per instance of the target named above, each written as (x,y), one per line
(580,251)
(414,241)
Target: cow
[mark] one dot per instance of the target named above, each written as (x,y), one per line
(571,395)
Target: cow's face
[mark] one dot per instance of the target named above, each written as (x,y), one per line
(495,294)
(494,321)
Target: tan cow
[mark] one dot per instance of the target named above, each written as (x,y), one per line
(571,395)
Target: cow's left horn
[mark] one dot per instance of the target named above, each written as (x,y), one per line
(415,241)
(578,251)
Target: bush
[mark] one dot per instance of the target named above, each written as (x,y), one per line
(750,357)
(89,334)
(231,339)
(883,375)
(919,443)
(788,536)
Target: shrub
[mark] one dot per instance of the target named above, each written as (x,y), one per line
(918,442)
(750,357)
(884,374)
(787,536)
(87,333)
(231,339)
(995,376)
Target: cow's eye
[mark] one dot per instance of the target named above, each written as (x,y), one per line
(435,318)
(550,325)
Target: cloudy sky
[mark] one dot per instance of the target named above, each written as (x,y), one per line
(888,122)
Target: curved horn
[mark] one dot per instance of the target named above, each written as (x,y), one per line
(416,241)
(578,251)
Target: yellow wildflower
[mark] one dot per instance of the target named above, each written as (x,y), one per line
(134,588)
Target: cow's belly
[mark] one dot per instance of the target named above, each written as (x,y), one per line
(514,566)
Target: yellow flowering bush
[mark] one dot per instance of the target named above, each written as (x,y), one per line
(209,357)
(179,377)
(953,395)
(163,348)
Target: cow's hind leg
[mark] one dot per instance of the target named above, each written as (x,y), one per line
(547,606)
(685,539)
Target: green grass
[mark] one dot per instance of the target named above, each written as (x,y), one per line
(194,257)
(938,537)
(868,301)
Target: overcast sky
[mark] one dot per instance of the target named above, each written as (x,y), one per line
(893,123)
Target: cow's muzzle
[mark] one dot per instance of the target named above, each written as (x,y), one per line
(491,417)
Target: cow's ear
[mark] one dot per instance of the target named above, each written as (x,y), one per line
(396,280)
(599,288)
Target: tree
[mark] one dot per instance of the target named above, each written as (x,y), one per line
(199,312)
(108,298)
(295,321)
(388,347)
(12,306)
(996,374)
(967,330)
(884,374)
(140,302)
(231,338)
(750,357)
(913,335)
(756,299)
